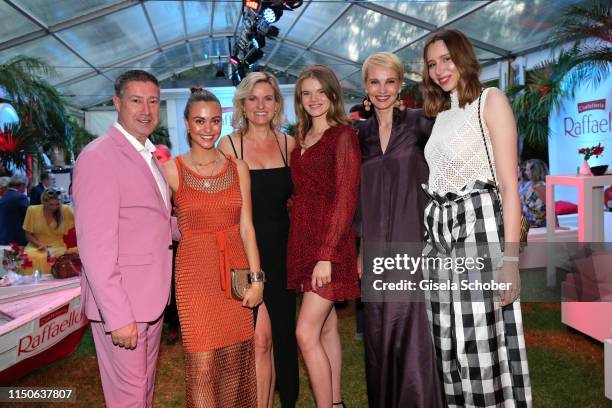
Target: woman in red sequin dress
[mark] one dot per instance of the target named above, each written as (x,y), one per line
(321,259)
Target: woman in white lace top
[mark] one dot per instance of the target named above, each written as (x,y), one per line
(474,213)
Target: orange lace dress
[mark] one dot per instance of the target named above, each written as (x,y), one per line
(217,331)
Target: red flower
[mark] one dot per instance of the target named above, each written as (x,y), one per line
(591,151)
(26,264)
(14,246)
(7,143)
(597,150)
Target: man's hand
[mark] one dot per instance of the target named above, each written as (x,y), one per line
(321,275)
(126,336)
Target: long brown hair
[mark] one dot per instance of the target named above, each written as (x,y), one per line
(331,86)
(462,54)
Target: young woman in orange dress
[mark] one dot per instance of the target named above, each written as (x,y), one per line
(213,201)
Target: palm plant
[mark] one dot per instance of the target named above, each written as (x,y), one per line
(591,28)
(39,105)
(79,137)
(587,61)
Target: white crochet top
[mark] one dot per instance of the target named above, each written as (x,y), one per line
(455,151)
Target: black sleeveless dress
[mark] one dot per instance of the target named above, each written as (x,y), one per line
(270,189)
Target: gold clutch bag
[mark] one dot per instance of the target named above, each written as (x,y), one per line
(241,282)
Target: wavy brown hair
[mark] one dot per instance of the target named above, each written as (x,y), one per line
(331,86)
(462,54)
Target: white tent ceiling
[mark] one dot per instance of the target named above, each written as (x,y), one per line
(90,42)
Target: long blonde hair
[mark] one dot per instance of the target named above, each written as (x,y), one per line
(239,119)
(53,193)
(331,87)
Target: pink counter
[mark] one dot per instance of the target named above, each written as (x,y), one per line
(39,323)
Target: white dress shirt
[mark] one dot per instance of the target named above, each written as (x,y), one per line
(146,152)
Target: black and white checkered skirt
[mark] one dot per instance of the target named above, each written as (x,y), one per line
(480,347)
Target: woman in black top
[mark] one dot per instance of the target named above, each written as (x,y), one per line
(258,113)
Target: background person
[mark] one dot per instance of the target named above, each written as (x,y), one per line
(13,207)
(45,226)
(321,255)
(258,114)
(213,202)
(533,196)
(46,181)
(4,185)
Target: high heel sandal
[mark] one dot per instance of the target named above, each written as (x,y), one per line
(341,403)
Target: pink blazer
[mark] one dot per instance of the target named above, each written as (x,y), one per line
(124,234)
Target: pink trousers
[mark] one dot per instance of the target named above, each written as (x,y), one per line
(128,376)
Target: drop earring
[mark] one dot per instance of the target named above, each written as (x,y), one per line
(367,105)
(399,103)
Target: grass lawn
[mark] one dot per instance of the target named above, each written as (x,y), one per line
(566,367)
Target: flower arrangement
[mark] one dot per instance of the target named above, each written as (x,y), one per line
(591,151)
(15,259)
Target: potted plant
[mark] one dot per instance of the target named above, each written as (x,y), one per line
(588,152)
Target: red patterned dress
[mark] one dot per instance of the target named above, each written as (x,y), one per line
(326,189)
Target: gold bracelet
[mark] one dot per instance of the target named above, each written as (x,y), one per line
(259,276)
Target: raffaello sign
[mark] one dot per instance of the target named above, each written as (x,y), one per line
(582,121)
(51,328)
(588,123)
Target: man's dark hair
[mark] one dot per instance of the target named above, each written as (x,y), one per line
(131,76)
(45,176)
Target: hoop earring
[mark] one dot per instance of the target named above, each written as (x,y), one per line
(367,105)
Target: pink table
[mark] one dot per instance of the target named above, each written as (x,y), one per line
(39,323)
(591,318)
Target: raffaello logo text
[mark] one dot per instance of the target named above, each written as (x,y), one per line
(588,123)
(52,327)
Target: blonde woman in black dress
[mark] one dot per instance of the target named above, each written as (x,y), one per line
(258,114)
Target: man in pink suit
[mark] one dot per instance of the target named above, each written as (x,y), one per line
(122,211)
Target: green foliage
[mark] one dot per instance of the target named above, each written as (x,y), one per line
(161,136)
(587,62)
(36,101)
(80,137)
(290,129)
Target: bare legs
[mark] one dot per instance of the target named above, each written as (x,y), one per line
(264,359)
(319,341)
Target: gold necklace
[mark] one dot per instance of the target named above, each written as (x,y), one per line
(197,166)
